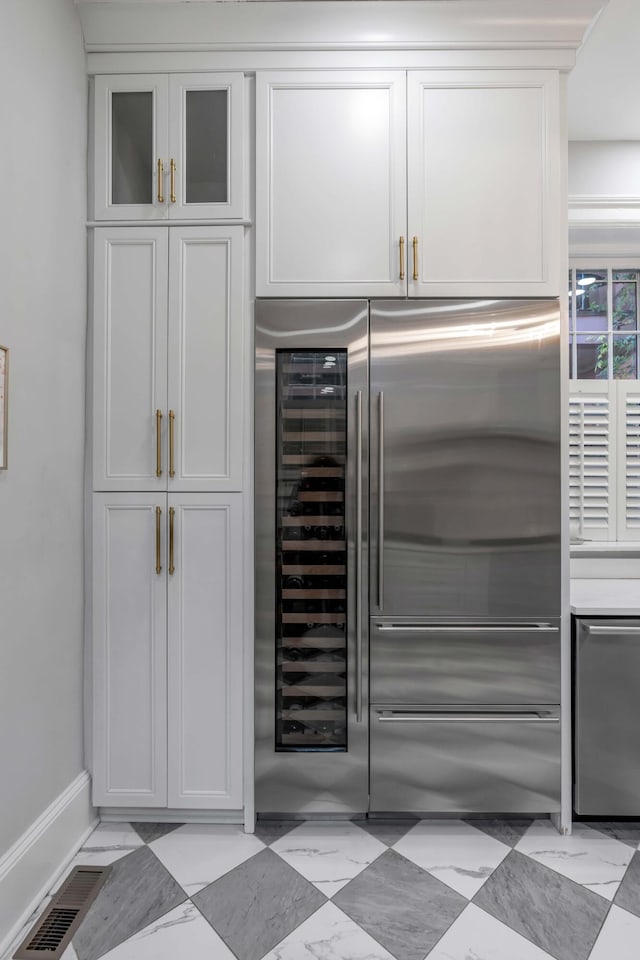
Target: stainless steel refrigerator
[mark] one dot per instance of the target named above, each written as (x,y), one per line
(407,556)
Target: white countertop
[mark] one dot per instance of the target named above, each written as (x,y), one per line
(605,598)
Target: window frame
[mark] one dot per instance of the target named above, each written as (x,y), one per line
(610,264)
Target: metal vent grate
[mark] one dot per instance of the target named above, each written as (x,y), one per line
(53,931)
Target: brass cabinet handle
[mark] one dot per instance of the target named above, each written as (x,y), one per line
(402,258)
(158,516)
(172,514)
(158,443)
(172,471)
(415,258)
(160,181)
(173,180)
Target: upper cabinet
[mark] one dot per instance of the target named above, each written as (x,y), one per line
(168,147)
(431,183)
(331,183)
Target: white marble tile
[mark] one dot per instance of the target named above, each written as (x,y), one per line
(328,935)
(109,842)
(69,953)
(619,938)
(454,852)
(477,936)
(328,854)
(588,856)
(183,932)
(199,853)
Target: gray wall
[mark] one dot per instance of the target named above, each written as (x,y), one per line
(42,321)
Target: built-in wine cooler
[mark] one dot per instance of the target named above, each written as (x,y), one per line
(311,590)
(310,549)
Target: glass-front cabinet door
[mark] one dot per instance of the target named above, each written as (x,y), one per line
(131,147)
(168,147)
(205,145)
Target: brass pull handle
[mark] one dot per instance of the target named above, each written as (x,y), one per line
(158,516)
(172,514)
(160,181)
(172,471)
(158,443)
(173,180)
(415,258)
(402,258)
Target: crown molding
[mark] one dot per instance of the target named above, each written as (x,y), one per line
(135,26)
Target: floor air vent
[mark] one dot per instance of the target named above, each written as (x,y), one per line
(53,931)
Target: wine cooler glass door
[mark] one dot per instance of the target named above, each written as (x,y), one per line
(311,581)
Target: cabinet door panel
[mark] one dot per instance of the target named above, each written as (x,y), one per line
(331,195)
(483,183)
(205,653)
(205,357)
(129,652)
(206,144)
(130,357)
(131,135)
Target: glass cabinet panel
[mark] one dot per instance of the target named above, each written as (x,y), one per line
(311,550)
(206,147)
(132,147)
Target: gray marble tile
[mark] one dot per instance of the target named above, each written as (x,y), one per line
(388,831)
(628,895)
(257,904)
(555,913)
(137,891)
(270,830)
(628,831)
(400,905)
(151,831)
(508,831)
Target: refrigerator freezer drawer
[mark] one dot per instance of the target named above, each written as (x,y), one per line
(607,718)
(413,661)
(428,760)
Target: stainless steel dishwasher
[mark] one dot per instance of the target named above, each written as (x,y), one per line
(607,717)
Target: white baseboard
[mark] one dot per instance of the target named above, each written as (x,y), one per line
(30,868)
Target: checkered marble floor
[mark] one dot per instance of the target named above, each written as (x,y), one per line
(384,890)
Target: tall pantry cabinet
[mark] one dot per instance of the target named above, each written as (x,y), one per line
(167,442)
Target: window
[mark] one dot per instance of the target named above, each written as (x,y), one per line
(604,428)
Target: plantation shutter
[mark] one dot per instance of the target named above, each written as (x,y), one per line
(628,460)
(592,459)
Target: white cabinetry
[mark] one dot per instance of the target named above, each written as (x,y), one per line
(167,616)
(465,202)
(168,358)
(168,146)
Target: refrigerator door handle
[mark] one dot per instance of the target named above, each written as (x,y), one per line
(380,500)
(398,716)
(358,584)
(611,631)
(464,628)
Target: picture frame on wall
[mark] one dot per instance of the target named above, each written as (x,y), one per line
(4,418)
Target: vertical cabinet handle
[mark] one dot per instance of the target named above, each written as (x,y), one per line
(358,583)
(402,258)
(158,443)
(415,258)
(173,180)
(380,500)
(172,514)
(158,516)
(172,471)
(160,181)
